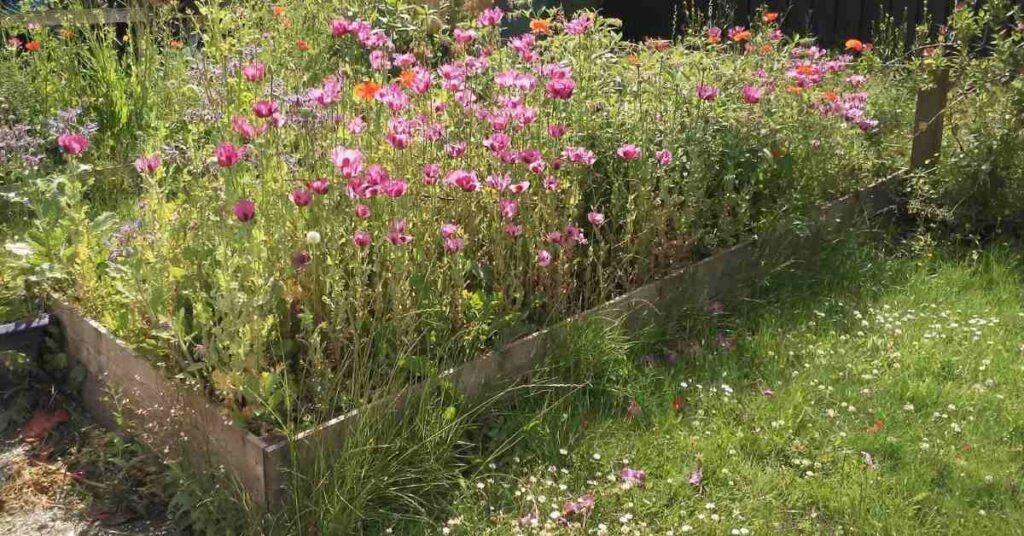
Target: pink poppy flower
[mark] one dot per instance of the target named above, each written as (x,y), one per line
(362,211)
(453,244)
(456,149)
(361,238)
(464,36)
(449,230)
(560,88)
(557,130)
(544,257)
(348,162)
(519,187)
(579,26)
(752,94)
(490,17)
(301,197)
(320,186)
(431,172)
(707,92)
(595,218)
(398,235)
(513,230)
(241,126)
(229,155)
(465,180)
(664,157)
(147,164)
(245,210)
(629,152)
(264,108)
(254,72)
(508,208)
(73,144)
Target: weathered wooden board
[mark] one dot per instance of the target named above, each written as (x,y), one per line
(123,390)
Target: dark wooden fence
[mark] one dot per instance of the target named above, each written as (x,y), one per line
(832,21)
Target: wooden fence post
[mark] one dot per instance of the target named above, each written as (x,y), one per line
(929,122)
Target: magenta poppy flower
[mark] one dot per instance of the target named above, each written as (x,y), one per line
(147,164)
(362,211)
(453,244)
(398,235)
(560,88)
(544,257)
(706,92)
(229,155)
(464,36)
(73,144)
(557,130)
(490,17)
(361,238)
(513,230)
(348,162)
(241,126)
(245,210)
(254,72)
(320,186)
(340,27)
(431,172)
(551,183)
(579,26)
(301,197)
(264,108)
(449,230)
(519,187)
(456,149)
(465,180)
(664,157)
(508,208)
(629,152)
(752,94)
(595,218)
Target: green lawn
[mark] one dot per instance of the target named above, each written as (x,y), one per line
(877,393)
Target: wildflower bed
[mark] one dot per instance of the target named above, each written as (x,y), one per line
(323,208)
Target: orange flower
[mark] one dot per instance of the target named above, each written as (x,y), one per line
(794,90)
(831,96)
(66,33)
(714,39)
(406,77)
(278,11)
(854,45)
(770,17)
(540,26)
(742,37)
(366,91)
(302,45)
(767,48)
(633,59)
(805,69)
(33,46)
(176,44)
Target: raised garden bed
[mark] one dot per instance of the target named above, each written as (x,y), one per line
(123,389)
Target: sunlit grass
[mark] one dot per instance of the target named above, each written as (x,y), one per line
(879,395)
